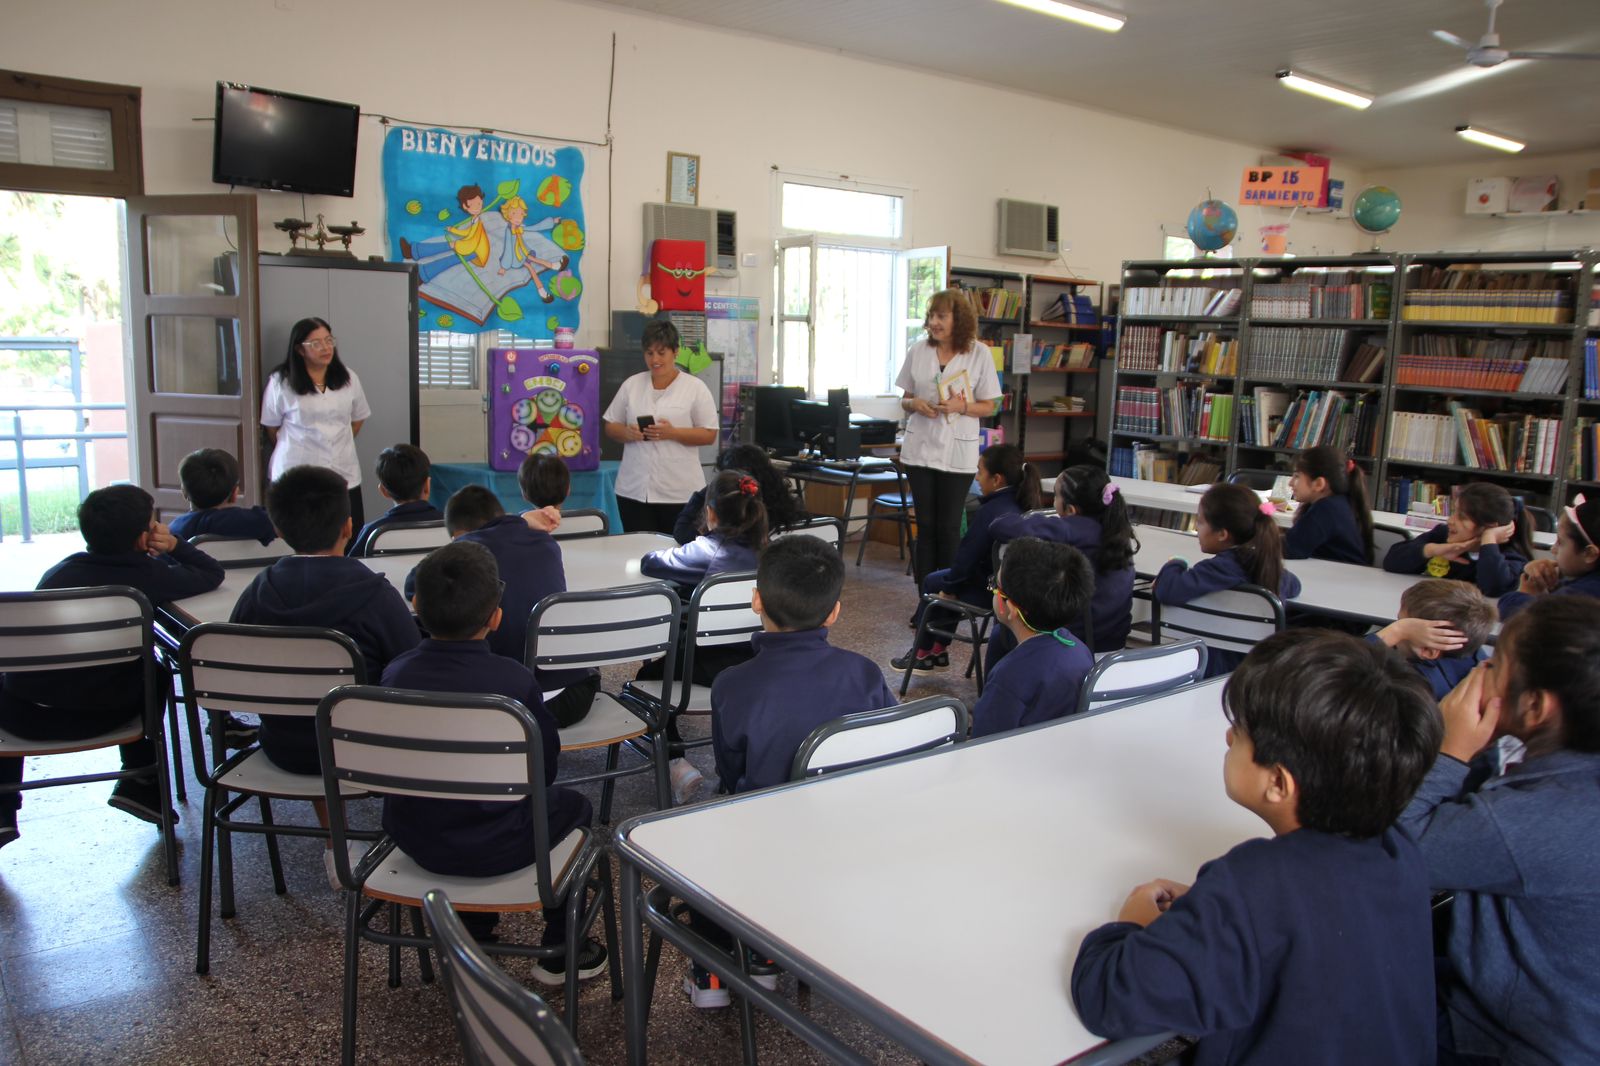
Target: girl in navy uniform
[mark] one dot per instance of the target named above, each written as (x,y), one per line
(735,531)
(1334,520)
(1575,570)
(1485,540)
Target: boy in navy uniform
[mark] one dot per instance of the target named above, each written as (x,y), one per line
(1041,589)
(458,601)
(126,546)
(210,480)
(544,480)
(1442,631)
(403,477)
(1314,946)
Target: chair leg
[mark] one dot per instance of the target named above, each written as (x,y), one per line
(224,865)
(424,963)
(573,905)
(394,949)
(609,917)
(609,786)
(662,756)
(352,958)
(208,833)
(272,849)
(747,1016)
(652,963)
(861,549)
(176,741)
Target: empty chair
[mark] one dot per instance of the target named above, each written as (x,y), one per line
(407,538)
(1384,538)
(1139,673)
(866,737)
(1260,480)
(893,507)
(1231,620)
(582,522)
(236,553)
(823,527)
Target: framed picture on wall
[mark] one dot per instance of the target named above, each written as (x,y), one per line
(683,178)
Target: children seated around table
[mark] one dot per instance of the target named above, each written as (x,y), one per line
(1486,540)
(783,509)
(1575,570)
(1008,485)
(1518,850)
(124,545)
(458,602)
(1236,529)
(210,480)
(1092,517)
(1040,592)
(1314,945)
(1442,631)
(1334,518)
(763,710)
(404,478)
(735,522)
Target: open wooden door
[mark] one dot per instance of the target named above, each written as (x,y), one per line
(194,380)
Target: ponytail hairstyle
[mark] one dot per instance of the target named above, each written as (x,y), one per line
(782,508)
(1344,478)
(735,497)
(1091,493)
(1005,461)
(1239,511)
(1491,505)
(1553,646)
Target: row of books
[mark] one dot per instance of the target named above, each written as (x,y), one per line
(1301,299)
(1544,375)
(1270,418)
(1421,437)
(1154,348)
(1078,355)
(1189,411)
(1060,405)
(995,302)
(1150,463)
(1591,369)
(1489,347)
(1594,306)
(1405,494)
(1181,300)
(1584,464)
(1522,444)
(1074,309)
(1545,306)
(1290,351)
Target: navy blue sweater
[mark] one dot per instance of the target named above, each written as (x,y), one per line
(1309,948)
(239,523)
(410,511)
(973,565)
(1326,529)
(1584,585)
(689,564)
(332,592)
(1111,608)
(1444,673)
(1037,682)
(763,709)
(1177,583)
(1524,945)
(1495,571)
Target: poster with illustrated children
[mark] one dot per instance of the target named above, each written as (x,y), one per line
(494,224)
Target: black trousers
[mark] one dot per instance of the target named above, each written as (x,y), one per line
(358,511)
(640,517)
(47,723)
(939,497)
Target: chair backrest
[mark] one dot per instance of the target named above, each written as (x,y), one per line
(604,627)
(1228,620)
(282,670)
(55,629)
(821,526)
(500,1022)
(1543,521)
(1083,628)
(238,552)
(407,538)
(582,522)
(1138,673)
(867,737)
(1258,479)
(1384,538)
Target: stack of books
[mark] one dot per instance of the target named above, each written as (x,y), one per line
(1305,299)
(1318,416)
(1422,438)
(1520,444)
(1074,309)
(1591,369)
(1193,413)
(1544,375)
(1076,356)
(1154,348)
(995,302)
(1138,409)
(1414,495)
(1584,462)
(1452,294)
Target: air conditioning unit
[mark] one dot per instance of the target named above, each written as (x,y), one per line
(1030,229)
(680,222)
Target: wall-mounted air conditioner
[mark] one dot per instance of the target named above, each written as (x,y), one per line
(1029,229)
(680,222)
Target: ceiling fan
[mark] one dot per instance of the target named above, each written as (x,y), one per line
(1488,53)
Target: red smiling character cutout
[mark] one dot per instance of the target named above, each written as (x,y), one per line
(678,275)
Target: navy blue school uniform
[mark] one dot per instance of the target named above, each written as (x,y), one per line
(687,527)
(1583,585)
(1496,570)
(1111,608)
(332,592)
(77,703)
(1326,529)
(762,710)
(1177,583)
(1446,672)
(706,556)
(530,565)
(1038,682)
(1310,948)
(410,511)
(237,523)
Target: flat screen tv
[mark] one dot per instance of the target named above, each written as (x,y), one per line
(273,140)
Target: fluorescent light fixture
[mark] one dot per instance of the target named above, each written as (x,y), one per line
(1087,16)
(1489,140)
(1301,83)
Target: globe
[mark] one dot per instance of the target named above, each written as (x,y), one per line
(1212,225)
(1377,209)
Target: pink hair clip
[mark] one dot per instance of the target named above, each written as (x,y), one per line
(1106,493)
(1267,508)
(1572,516)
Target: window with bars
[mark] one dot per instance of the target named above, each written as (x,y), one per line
(448,360)
(59,135)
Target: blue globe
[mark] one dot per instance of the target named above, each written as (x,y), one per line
(1212,225)
(1377,209)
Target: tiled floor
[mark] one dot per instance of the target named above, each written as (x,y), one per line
(97,952)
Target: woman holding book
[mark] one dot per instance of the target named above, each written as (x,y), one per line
(948,383)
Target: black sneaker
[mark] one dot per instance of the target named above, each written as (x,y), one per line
(763,972)
(912,661)
(706,989)
(941,659)
(140,799)
(591,963)
(237,733)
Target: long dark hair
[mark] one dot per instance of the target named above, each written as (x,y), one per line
(293,367)
(1084,487)
(782,508)
(1491,505)
(735,497)
(1345,479)
(1005,460)
(1239,511)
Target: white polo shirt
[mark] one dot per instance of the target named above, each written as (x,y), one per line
(947,443)
(662,471)
(315,428)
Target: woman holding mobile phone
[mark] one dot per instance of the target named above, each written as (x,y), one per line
(661,418)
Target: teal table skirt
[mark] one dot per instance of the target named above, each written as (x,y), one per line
(590,488)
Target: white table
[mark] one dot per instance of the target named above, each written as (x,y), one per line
(995,857)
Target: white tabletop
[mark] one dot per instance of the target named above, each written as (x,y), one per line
(994,859)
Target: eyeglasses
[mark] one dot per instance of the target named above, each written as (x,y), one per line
(325,343)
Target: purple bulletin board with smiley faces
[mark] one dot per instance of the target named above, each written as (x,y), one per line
(544,401)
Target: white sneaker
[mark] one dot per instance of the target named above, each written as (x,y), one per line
(686,781)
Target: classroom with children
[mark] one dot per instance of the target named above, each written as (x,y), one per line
(1095,564)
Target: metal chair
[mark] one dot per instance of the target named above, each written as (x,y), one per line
(583,522)
(977,620)
(479,749)
(823,527)
(867,737)
(1260,480)
(406,538)
(276,670)
(1139,673)
(1384,538)
(237,553)
(78,629)
(605,627)
(1543,521)
(1229,620)
(500,1022)
(900,510)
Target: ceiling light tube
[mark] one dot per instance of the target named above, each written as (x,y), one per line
(1086,16)
(1489,140)
(1301,83)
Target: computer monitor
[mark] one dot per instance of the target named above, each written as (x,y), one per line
(771,427)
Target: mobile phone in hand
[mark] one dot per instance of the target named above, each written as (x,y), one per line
(645,422)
